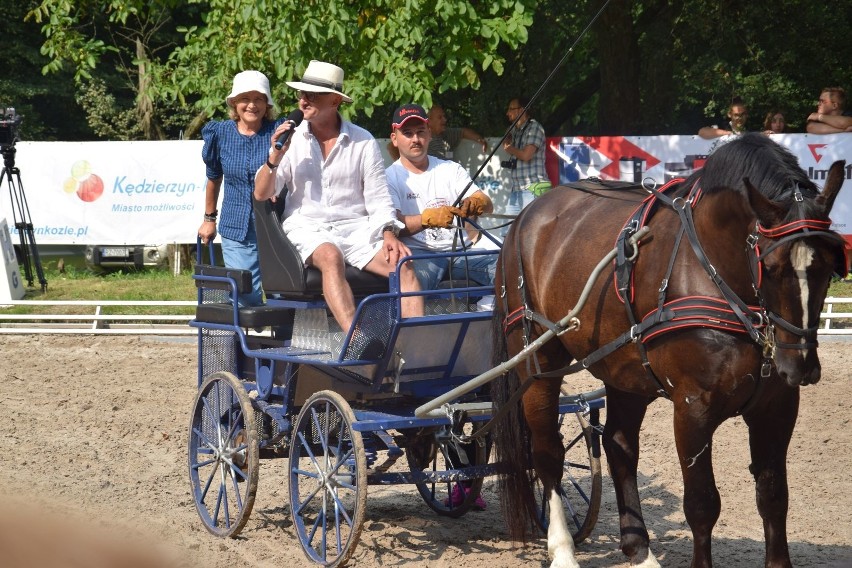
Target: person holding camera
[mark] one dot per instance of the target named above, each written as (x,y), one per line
(525,146)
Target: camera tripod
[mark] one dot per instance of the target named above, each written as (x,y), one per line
(21,218)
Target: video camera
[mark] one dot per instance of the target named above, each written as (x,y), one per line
(9,122)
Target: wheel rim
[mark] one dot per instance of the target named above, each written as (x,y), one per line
(580,491)
(328,479)
(223,455)
(432,455)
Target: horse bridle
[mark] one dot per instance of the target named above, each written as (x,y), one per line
(765,318)
(781,235)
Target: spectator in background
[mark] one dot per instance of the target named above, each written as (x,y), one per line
(233,151)
(444,139)
(737,116)
(525,146)
(774,122)
(830,116)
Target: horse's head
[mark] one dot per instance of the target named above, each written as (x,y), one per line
(798,253)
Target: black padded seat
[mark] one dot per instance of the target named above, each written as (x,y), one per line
(282,270)
(223,312)
(250,317)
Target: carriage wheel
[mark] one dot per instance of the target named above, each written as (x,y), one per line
(581,478)
(223,454)
(431,454)
(328,479)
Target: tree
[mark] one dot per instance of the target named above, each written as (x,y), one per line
(46,104)
(391,52)
(647,67)
(111,47)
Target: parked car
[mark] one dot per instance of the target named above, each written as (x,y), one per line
(110,257)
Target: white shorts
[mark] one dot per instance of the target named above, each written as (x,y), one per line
(354,237)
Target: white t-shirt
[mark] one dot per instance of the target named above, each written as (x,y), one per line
(439,185)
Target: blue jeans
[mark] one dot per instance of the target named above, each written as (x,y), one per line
(243,255)
(479,270)
(518,200)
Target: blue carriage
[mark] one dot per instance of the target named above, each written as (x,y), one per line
(282,380)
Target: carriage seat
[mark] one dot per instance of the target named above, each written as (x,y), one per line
(282,271)
(223,312)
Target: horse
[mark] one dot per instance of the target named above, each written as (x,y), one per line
(716,309)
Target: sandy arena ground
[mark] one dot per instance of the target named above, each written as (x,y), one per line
(95,432)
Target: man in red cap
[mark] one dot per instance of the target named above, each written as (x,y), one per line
(424,189)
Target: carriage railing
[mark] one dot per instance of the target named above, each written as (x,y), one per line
(452,314)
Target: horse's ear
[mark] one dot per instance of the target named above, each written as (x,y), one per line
(832,186)
(768,212)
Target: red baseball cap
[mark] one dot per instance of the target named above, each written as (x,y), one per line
(406,112)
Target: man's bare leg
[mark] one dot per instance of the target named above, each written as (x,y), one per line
(412,306)
(338,295)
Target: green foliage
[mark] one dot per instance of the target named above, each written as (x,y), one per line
(114,44)
(391,50)
(170,63)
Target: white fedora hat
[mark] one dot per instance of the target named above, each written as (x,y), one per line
(321,77)
(247,81)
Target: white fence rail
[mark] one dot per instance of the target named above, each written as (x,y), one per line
(842,320)
(97,323)
(836,319)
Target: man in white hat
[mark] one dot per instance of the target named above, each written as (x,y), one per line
(338,208)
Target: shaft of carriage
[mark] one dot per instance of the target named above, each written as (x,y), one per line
(567,323)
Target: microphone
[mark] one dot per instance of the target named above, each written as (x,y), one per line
(295,118)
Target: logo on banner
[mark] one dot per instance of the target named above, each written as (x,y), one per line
(616,148)
(814,151)
(83,182)
(575,161)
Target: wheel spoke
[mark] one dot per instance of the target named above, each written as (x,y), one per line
(327,479)
(223,454)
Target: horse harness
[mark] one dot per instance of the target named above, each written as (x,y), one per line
(729,314)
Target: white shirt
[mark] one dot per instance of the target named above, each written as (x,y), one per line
(439,185)
(348,184)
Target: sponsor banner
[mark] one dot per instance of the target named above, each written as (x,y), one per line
(662,158)
(109,192)
(153,192)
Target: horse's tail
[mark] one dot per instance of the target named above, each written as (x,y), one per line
(512,445)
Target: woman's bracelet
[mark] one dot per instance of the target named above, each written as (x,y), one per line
(211,216)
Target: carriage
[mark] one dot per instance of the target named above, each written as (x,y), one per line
(282,380)
(706,292)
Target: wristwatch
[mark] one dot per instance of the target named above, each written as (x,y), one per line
(391,228)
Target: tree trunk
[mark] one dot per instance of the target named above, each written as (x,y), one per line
(618,50)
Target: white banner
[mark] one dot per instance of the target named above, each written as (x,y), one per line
(153,192)
(110,192)
(661,158)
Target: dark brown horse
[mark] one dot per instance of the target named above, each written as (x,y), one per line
(719,314)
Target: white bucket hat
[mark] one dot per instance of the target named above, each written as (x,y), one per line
(321,77)
(247,81)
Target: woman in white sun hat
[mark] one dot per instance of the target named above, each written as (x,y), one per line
(233,150)
(338,208)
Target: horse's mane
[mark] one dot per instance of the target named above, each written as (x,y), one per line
(770,168)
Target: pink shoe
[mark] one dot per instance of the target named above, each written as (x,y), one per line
(458,498)
(480,503)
